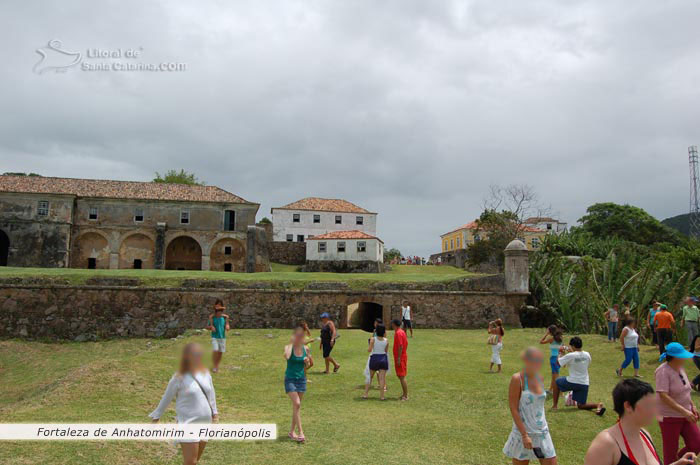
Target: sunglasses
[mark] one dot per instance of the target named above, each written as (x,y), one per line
(682,378)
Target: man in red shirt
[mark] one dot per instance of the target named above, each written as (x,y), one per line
(400,356)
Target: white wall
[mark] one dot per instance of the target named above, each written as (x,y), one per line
(374,250)
(283,224)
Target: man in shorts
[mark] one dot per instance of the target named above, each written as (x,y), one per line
(218,325)
(406,317)
(578,381)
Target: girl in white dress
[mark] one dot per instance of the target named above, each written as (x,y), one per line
(529,438)
(195,399)
(496,332)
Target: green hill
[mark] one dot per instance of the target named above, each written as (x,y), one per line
(680,223)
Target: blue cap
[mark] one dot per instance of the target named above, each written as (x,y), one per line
(325,315)
(675,350)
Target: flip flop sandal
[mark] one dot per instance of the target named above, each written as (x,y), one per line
(292,437)
(601,412)
(335,370)
(301,439)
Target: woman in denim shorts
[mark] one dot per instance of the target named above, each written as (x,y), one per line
(295,379)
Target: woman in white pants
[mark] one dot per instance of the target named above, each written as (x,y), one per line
(195,399)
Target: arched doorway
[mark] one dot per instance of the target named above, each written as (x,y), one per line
(362,315)
(90,250)
(4,248)
(137,251)
(227,254)
(183,253)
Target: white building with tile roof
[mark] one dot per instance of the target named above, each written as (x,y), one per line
(314,216)
(353,245)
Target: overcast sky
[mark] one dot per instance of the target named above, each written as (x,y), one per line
(408,108)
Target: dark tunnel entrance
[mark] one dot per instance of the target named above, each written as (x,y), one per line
(362,315)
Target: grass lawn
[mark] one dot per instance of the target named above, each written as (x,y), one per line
(280,273)
(456,414)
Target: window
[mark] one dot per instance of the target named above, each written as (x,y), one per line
(228,267)
(477,238)
(549,226)
(296,218)
(361,246)
(290,237)
(185,217)
(227,250)
(535,242)
(92,263)
(341,247)
(229,220)
(452,244)
(42,208)
(300,238)
(359,220)
(138,214)
(92,213)
(446,245)
(138,264)
(321,247)
(317,219)
(458,242)
(338,219)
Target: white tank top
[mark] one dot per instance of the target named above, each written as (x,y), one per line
(631,338)
(379,346)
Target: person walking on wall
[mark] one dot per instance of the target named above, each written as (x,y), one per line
(400,356)
(627,442)
(378,361)
(629,338)
(665,326)
(677,412)
(529,439)
(554,338)
(328,337)
(195,399)
(295,379)
(611,316)
(495,340)
(691,316)
(406,317)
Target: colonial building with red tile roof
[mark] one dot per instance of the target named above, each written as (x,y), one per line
(93,223)
(461,237)
(344,250)
(312,216)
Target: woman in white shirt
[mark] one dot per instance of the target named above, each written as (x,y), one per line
(629,337)
(195,399)
(577,381)
(378,360)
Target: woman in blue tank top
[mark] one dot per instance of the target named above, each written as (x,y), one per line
(553,337)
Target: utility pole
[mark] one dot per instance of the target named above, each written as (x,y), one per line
(694,213)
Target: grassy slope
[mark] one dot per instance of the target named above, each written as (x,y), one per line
(457,413)
(280,273)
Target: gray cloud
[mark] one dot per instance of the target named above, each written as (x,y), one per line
(408,108)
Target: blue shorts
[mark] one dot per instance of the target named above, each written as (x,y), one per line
(554,364)
(579,392)
(294,385)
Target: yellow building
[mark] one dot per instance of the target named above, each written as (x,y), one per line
(461,237)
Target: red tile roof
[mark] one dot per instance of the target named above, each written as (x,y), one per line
(103,188)
(473,225)
(540,219)
(354,234)
(327,205)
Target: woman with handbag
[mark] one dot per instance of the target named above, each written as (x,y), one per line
(529,438)
(495,340)
(195,399)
